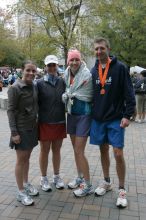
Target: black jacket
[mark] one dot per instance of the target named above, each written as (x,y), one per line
(118,100)
(51,107)
(140,86)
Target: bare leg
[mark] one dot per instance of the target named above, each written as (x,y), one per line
(73,138)
(22,156)
(120,166)
(44,152)
(26,167)
(139,103)
(143,116)
(139,116)
(56,157)
(82,163)
(105,160)
(143,110)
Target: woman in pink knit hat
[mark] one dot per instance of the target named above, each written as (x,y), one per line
(78,99)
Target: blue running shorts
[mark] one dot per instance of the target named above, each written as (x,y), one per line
(107,132)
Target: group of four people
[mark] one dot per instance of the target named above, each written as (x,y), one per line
(98,103)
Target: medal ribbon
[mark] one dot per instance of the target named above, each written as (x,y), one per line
(103,76)
(71,80)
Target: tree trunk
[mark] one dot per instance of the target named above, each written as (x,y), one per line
(65,54)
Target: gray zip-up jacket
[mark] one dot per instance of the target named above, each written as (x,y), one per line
(22,107)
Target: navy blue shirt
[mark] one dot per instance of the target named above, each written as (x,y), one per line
(119,99)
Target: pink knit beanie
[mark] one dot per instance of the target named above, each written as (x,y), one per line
(73,54)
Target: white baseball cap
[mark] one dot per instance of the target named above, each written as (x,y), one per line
(51,59)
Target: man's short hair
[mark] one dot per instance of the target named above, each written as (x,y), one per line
(102,39)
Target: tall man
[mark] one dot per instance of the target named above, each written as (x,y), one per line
(114,104)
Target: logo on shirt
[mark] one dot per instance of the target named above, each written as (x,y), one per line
(108,81)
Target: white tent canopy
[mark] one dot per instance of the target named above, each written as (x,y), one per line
(39,70)
(136,69)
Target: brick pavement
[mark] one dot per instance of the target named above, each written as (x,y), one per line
(62,205)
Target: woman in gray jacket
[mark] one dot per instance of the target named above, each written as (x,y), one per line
(22,115)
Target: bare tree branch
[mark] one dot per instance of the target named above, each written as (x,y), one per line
(55,18)
(76,18)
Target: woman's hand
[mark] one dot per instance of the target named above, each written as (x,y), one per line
(16,139)
(64,97)
(124,123)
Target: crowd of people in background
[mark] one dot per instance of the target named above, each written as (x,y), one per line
(139,83)
(8,77)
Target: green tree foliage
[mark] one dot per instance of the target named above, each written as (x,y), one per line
(63,25)
(10,53)
(37,47)
(124,23)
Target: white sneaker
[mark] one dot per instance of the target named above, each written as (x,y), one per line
(122,200)
(75,183)
(59,184)
(103,188)
(84,190)
(31,190)
(139,121)
(44,183)
(24,198)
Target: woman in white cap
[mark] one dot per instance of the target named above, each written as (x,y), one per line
(52,125)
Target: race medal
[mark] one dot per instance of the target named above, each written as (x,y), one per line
(102,91)
(103,75)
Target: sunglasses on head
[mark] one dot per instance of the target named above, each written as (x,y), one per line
(51,65)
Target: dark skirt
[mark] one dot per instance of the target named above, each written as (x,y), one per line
(29,139)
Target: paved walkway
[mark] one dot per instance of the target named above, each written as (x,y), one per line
(62,205)
(3,98)
(4,91)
